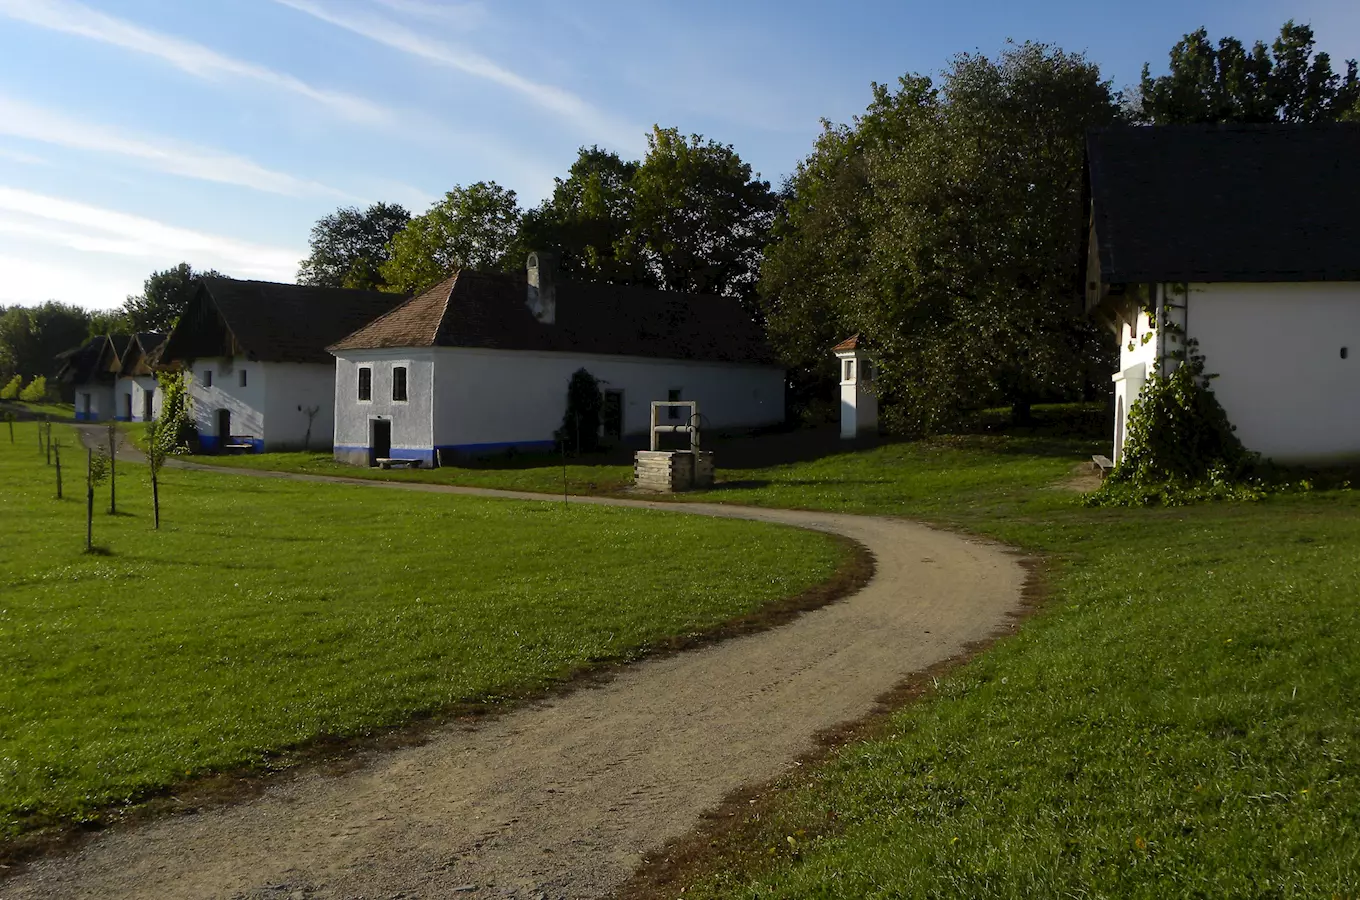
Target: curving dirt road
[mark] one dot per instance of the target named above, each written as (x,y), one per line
(563,799)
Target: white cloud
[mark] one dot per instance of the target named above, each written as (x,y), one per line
(24,120)
(29,280)
(65,223)
(19,156)
(462,15)
(69,17)
(563,103)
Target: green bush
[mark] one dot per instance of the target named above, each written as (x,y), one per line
(11,390)
(36,392)
(580,431)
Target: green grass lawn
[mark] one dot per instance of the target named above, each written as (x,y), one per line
(265,614)
(57,412)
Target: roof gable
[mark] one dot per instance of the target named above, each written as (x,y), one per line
(270,322)
(1225,203)
(489,310)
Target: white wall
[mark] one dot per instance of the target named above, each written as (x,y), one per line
(488,398)
(412,420)
(138,388)
(294,388)
(1277,351)
(245,403)
(475,400)
(1139,345)
(94,402)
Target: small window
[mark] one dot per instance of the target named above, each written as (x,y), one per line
(399,383)
(673,412)
(207,377)
(243,378)
(866,371)
(849,370)
(365,383)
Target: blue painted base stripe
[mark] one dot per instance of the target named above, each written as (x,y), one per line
(431,455)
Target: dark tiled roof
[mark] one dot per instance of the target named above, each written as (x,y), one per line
(271,322)
(1226,202)
(488,309)
(80,365)
(141,354)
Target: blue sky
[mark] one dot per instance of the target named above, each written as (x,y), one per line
(138,133)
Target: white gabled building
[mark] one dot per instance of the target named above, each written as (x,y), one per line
(136,395)
(255,351)
(1246,240)
(479,364)
(90,372)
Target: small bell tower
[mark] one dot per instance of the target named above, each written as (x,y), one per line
(859,403)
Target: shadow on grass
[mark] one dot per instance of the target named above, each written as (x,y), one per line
(98,551)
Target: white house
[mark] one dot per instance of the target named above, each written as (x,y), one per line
(1245,239)
(260,377)
(136,395)
(480,362)
(91,371)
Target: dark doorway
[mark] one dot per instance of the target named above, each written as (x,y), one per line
(223,429)
(147,411)
(128,405)
(611,416)
(380,446)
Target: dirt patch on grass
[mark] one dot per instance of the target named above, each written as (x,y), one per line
(569,796)
(335,755)
(736,835)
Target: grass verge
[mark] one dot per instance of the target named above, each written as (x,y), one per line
(268,614)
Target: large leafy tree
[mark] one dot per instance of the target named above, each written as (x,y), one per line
(473,227)
(1287,81)
(701,218)
(350,246)
(164,297)
(32,336)
(588,220)
(945,225)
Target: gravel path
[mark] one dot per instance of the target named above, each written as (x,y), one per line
(564,798)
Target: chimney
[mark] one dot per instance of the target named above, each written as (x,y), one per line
(542,299)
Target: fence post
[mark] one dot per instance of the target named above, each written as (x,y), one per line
(58,449)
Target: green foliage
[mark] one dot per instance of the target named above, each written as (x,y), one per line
(35,392)
(944,226)
(32,336)
(691,217)
(1286,82)
(110,322)
(701,217)
(1180,447)
(580,431)
(588,221)
(350,246)
(174,427)
(164,297)
(227,643)
(473,227)
(11,389)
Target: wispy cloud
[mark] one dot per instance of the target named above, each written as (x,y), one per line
(69,17)
(79,226)
(19,156)
(24,120)
(594,122)
(460,15)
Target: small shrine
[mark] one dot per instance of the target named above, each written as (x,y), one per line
(859,402)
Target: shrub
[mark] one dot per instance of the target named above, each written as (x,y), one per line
(11,390)
(36,392)
(580,429)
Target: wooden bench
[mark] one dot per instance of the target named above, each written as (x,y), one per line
(239,443)
(1104,464)
(389,463)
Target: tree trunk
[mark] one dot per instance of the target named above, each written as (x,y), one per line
(113,474)
(89,500)
(58,471)
(155,500)
(1021,411)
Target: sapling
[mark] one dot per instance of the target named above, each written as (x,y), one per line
(9,418)
(57,451)
(96,469)
(113,468)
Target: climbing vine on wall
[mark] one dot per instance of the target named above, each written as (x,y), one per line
(1180,446)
